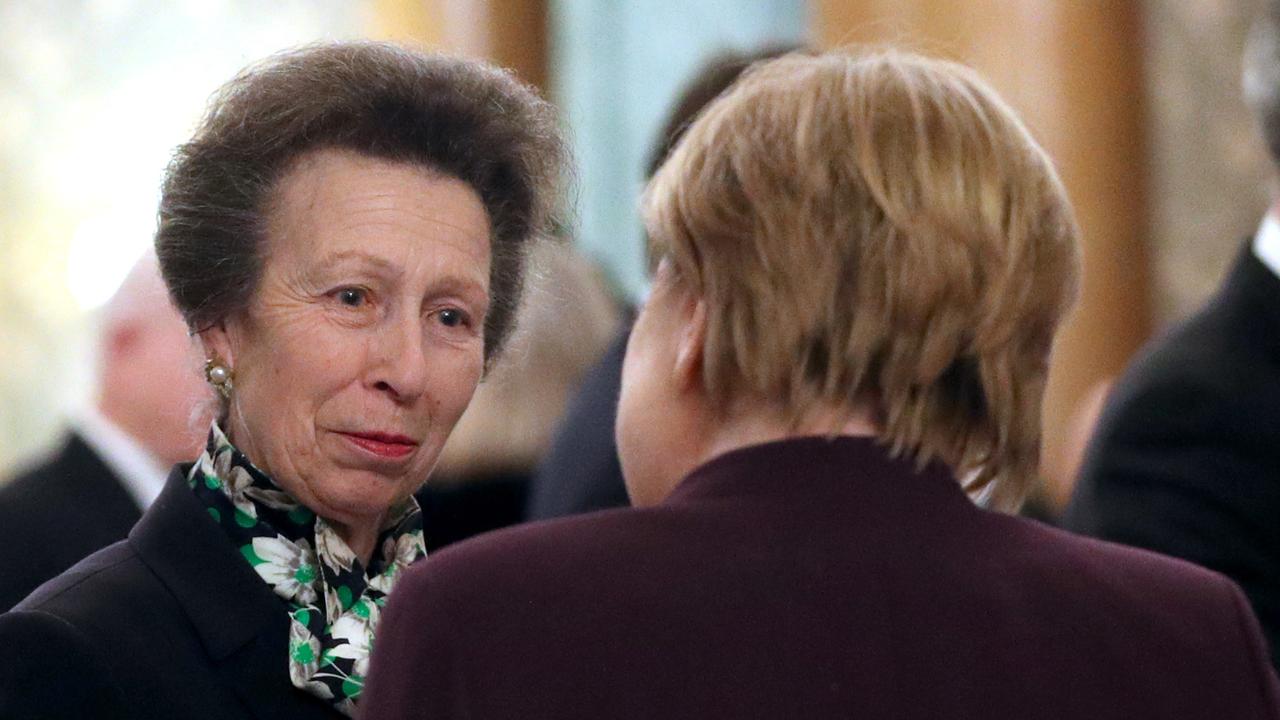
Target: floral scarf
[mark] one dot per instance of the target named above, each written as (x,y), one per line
(334,602)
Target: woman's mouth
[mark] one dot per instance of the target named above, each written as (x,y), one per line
(385,445)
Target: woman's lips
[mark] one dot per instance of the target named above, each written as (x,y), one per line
(383,444)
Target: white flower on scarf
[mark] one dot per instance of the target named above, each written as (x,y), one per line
(203,467)
(356,629)
(402,552)
(276,499)
(289,567)
(333,550)
(304,660)
(238,486)
(235,482)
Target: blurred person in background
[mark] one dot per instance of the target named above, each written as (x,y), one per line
(1186,458)
(580,472)
(346,235)
(482,480)
(111,466)
(863,262)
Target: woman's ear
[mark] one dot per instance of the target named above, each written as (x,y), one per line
(215,341)
(691,344)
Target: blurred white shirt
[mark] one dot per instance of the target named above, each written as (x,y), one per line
(141,473)
(1266,243)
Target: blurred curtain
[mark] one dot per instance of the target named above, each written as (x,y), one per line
(615,69)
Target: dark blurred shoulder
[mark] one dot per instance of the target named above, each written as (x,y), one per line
(54,513)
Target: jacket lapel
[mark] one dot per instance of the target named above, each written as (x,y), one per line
(242,625)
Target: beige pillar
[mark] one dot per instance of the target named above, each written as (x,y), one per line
(510,33)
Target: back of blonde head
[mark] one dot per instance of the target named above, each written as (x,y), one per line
(876,231)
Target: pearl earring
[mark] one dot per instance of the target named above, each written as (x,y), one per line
(219,376)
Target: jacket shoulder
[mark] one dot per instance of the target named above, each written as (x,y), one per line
(1185,618)
(100,583)
(565,558)
(56,671)
(1196,605)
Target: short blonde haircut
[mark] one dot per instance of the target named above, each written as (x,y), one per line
(876,230)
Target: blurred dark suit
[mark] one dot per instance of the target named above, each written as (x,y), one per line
(461,509)
(581,472)
(1186,458)
(56,513)
(813,579)
(170,622)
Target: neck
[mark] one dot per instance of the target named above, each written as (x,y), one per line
(747,429)
(743,425)
(361,537)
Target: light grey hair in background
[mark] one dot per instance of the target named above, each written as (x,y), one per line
(1261,74)
(141,294)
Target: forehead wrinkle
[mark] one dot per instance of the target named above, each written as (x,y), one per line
(320,201)
(354,211)
(312,177)
(358,218)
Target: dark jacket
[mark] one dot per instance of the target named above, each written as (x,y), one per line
(55,514)
(813,579)
(580,471)
(170,623)
(1186,457)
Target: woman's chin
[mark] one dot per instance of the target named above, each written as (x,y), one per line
(361,496)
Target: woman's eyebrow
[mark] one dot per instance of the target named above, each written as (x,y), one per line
(355,256)
(469,288)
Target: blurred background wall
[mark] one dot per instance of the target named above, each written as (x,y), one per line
(1138,102)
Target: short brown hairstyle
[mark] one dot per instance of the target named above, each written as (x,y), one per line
(876,230)
(460,118)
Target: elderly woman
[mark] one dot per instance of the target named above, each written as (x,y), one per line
(345,235)
(862,263)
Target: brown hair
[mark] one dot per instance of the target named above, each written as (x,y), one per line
(461,118)
(876,230)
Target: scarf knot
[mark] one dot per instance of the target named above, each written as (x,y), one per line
(332,600)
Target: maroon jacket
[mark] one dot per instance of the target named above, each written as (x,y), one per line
(814,579)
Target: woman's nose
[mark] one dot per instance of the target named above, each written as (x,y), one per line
(401,370)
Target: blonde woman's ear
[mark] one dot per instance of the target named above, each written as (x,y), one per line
(692,343)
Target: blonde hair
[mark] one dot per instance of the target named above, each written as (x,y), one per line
(876,230)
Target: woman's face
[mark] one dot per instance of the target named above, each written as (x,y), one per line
(364,341)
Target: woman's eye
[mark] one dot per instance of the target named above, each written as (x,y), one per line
(450,317)
(352,297)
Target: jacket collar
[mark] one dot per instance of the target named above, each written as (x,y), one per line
(815,471)
(241,623)
(1253,284)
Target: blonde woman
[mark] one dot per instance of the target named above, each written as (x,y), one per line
(862,265)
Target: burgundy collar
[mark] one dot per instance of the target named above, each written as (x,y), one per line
(807,470)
